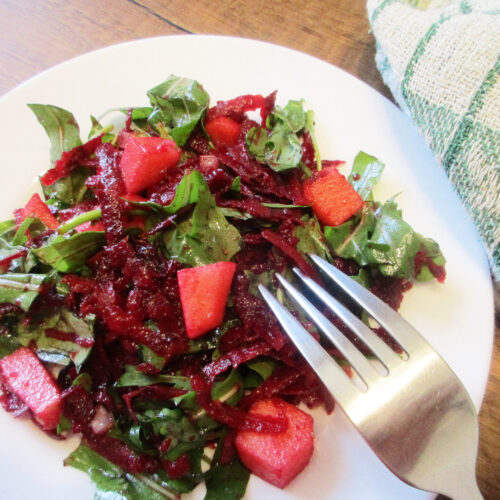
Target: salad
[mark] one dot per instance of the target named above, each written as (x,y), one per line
(128,291)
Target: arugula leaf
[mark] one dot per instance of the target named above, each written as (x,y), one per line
(112,482)
(311,238)
(21,289)
(350,239)
(393,244)
(291,119)
(365,173)
(279,150)
(54,350)
(69,253)
(91,215)
(173,424)
(149,356)
(140,115)
(85,380)
(236,184)
(280,147)
(7,345)
(133,377)
(68,190)
(312,133)
(264,368)
(381,239)
(64,135)
(61,127)
(98,129)
(187,192)
(179,104)
(9,247)
(226,482)
(229,390)
(6,227)
(431,248)
(206,237)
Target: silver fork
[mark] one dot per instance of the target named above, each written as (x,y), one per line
(414,413)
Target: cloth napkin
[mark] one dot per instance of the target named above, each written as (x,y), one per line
(441,60)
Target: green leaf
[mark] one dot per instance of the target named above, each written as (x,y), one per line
(312,132)
(366,171)
(187,192)
(21,289)
(226,482)
(140,114)
(291,118)
(69,190)
(279,146)
(91,215)
(431,248)
(393,244)
(61,127)
(53,350)
(20,237)
(63,425)
(112,482)
(166,422)
(133,377)
(264,368)
(179,104)
(8,345)
(236,184)
(69,253)
(378,237)
(98,129)
(149,356)
(278,149)
(8,247)
(206,237)
(85,380)
(350,239)
(311,238)
(229,390)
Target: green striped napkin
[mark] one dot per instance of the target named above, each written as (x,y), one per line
(441,60)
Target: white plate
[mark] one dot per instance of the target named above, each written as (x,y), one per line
(456,317)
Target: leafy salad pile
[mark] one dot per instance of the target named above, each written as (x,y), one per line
(89,282)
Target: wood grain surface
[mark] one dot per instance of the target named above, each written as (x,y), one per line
(37,34)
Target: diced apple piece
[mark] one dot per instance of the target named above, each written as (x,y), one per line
(204,291)
(277,458)
(223,131)
(146,160)
(333,199)
(24,375)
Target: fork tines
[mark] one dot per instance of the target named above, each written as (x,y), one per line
(325,366)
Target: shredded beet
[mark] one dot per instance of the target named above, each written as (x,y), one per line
(119,453)
(177,468)
(78,407)
(79,156)
(235,417)
(10,402)
(6,261)
(69,337)
(235,358)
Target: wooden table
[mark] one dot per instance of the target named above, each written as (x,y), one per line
(36,34)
